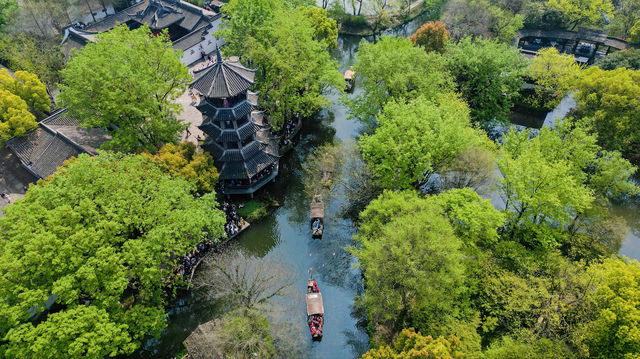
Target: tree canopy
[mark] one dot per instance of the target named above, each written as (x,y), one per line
(15,118)
(416,139)
(629,58)
(550,179)
(555,75)
(183,160)
(412,265)
(86,255)
(393,68)
(28,87)
(583,12)
(432,36)
(410,344)
(488,75)
(610,102)
(287,44)
(614,329)
(126,82)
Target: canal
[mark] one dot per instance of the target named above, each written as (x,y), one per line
(284,237)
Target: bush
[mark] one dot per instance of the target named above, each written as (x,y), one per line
(253,210)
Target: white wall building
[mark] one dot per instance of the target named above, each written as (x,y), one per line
(191,28)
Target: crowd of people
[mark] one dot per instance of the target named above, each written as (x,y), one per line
(262,174)
(190,260)
(315,324)
(234,222)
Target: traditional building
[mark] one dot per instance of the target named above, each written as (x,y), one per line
(38,155)
(191,28)
(237,137)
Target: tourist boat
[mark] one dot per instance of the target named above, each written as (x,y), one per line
(350,79)
(315,309)
(317,216)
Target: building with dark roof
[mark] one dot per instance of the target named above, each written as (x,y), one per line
(56,139)
(190,27)
(237,136)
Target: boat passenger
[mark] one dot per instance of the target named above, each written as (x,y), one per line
(316,224)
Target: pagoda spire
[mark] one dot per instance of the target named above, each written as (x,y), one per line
(218,55)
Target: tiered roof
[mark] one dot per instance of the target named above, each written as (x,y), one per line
(226,79)
(223,79)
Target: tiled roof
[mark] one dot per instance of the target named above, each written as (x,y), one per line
(191,39)
(157,14)
(223,79)
(55,140)
(43,150)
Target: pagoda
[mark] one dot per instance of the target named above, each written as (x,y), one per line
(237,136)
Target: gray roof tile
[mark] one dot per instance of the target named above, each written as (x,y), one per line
(223,79)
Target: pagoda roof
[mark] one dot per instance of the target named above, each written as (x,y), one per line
(223,79)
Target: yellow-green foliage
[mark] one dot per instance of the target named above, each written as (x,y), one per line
(555,75)
(18,96)
(412,345)
(182,160)
(28,87)
(15,118)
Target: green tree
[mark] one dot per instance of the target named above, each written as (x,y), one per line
(543,181)
(7,10)
(527,346)
(29,88)
(583,12)
(126,82)
(100,238)
(245,334)
(325,29)
(294,70)
(410,344)
(411,261)
(555,75)
(183,160)
(629,58)
(554,178)
(474,219)
(432,36)
(15,118)
(416,139)
(614,329)
(627,14)
(489,76)
(39,55)
(393,68)
(610,103)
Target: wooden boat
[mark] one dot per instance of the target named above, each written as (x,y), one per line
(315,309)
(350,80)
(317,216)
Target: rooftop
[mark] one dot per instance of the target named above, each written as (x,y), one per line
(56,139)
(223,79)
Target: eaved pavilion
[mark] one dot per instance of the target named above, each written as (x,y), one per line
(237,137)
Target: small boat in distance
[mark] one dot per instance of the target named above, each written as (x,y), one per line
(315,309)
(350,79)
(317,216)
